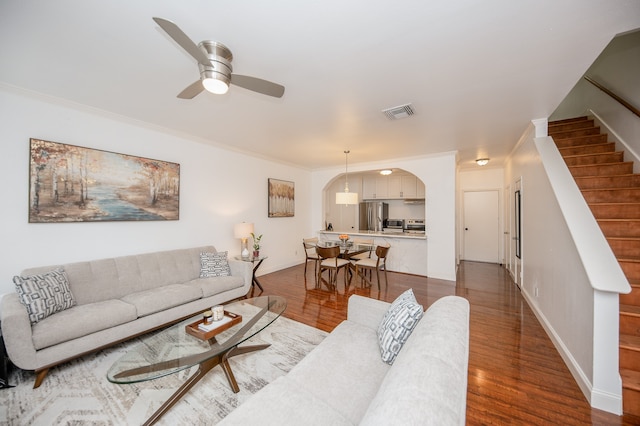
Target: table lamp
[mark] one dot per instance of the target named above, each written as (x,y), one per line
(243,231)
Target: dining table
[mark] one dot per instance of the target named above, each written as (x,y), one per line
(348,249)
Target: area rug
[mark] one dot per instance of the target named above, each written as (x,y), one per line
(78,392)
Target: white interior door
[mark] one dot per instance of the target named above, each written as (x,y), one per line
(481,226)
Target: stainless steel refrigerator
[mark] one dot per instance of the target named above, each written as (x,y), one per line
(373,215)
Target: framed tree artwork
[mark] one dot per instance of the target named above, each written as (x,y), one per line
(69,183)
(281,194)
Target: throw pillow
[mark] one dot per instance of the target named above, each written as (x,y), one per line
(397,324)
(214,265)
(44,294)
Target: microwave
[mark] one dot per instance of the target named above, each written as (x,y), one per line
(395,224)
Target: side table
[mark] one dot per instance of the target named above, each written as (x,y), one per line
(257,261)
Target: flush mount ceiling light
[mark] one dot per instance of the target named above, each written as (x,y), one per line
(386,172)
(482,161)
(346,197)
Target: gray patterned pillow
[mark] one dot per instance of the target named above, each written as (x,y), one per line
(397,324)
(44,294)
(214,265)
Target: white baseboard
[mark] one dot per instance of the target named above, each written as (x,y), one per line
(597,399)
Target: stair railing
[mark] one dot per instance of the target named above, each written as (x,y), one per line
(623,102)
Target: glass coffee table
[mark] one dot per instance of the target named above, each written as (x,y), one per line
(174,349)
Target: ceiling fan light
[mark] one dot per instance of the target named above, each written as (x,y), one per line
(216,86)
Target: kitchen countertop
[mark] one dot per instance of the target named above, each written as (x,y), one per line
(378,234)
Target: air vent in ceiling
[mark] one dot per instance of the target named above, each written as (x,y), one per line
(401,111)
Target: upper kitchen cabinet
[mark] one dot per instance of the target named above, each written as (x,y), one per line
(396,186)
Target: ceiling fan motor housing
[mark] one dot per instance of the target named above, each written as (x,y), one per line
(220,57)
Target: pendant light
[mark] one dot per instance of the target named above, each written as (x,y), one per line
(346,197)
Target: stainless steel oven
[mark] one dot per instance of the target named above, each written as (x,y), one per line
(414,226)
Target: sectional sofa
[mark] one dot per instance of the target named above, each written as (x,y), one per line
(102,302)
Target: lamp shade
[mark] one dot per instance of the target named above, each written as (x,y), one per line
(243,230)
(346,198)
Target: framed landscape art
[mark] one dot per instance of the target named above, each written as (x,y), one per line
(281,195)
(69,183)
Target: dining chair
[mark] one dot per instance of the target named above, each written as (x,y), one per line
(330,260)
(309,245)
(377,264)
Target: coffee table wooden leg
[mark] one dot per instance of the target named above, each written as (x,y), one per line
(203,369)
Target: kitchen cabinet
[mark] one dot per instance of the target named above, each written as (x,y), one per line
(409,189)
(395,187)
(382,187)
(375,187)
(368,187)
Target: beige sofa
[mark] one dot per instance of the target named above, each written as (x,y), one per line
(343,381)
(116,299)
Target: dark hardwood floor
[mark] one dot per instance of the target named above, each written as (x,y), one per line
(516,376)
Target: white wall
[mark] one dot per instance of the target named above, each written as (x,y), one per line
(438,173)
(219,188)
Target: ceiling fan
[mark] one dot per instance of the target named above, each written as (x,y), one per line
(214,61)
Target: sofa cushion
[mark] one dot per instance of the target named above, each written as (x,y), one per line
(216,285)
(344,371)
(44,294)
(397,324)
(158,299)
(214,265)
(427,383)
(295,406)
(81,320)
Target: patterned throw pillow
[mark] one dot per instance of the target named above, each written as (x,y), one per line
(44,294)
(397,324)
(214,265)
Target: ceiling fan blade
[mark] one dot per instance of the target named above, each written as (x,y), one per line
(183,40)
(258,85)
(192,90)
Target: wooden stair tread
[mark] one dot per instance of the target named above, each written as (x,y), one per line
(630,342)
(630,310)
(613,203)
(621,188)
(630,379)
(628,259)
(601,164)
(569,120)
(592,154)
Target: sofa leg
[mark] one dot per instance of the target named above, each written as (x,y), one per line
(40,375)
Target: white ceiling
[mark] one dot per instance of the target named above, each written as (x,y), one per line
(475,71)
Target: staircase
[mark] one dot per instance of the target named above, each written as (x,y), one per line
(612,191)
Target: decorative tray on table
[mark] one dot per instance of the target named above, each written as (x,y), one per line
(206,332)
